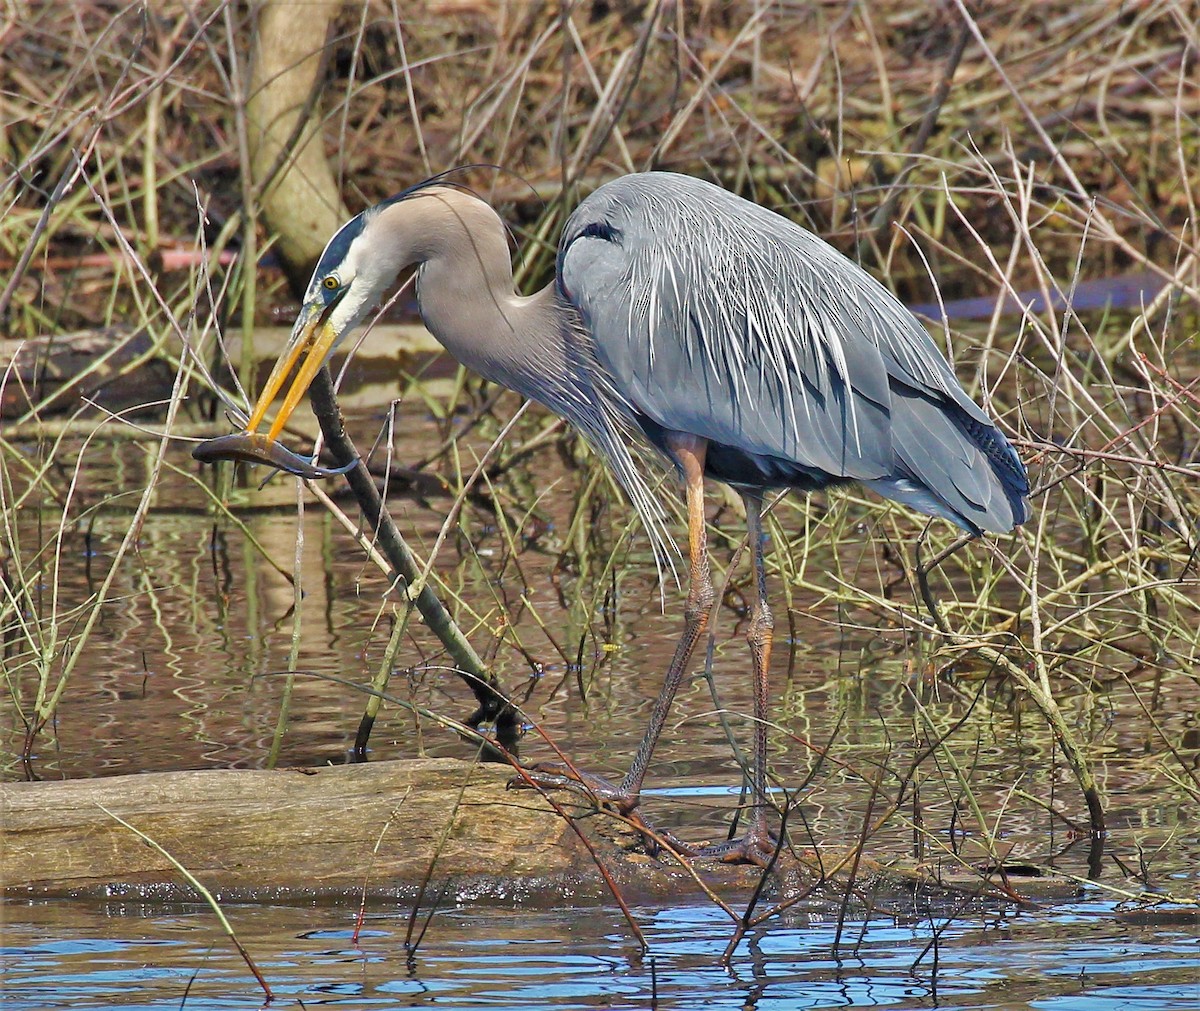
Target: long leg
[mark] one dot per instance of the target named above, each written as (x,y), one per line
(689,452)
(757,844)
(760,635)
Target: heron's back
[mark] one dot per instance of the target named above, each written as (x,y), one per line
(718,318)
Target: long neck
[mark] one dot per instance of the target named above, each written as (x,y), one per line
(536,345)
(465,292)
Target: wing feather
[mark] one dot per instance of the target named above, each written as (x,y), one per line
(718,318)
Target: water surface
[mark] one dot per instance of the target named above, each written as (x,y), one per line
(188,669)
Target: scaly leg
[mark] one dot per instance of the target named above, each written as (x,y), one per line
(757,845)
(689,452)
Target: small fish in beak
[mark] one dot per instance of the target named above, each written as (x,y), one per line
(313,338)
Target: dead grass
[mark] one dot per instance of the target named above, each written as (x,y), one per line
(1061,150)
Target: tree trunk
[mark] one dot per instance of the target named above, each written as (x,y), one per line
(300,199)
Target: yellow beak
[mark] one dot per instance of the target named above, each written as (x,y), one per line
(312,339)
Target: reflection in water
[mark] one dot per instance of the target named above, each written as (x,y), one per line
(186,670)
(1077,956)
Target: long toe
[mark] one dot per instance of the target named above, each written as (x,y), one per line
(602,793)
(758,846)
(556,776)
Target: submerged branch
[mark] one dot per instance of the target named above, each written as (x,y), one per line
(493,706)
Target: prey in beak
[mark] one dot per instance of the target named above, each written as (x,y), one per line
(312,341)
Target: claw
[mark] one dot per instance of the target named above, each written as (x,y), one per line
(758,846)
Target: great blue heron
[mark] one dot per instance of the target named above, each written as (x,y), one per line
(738,344)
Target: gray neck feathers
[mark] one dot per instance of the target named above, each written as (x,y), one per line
(536,345)
(465,291)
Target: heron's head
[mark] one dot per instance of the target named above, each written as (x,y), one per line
(358,265)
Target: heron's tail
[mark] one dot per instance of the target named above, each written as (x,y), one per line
(952,465)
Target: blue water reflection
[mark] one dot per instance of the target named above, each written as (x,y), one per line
(1077,956)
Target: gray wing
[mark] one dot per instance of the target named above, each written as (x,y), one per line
(718,318)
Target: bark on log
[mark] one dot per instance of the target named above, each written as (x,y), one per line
(295,834)
(381,829)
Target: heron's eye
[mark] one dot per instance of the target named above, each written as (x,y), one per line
(331,283)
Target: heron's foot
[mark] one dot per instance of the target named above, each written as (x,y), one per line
(604,794)
(758,846)
(555,776)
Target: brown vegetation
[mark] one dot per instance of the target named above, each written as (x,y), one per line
(999,155)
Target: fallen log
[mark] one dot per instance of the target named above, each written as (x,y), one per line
(384,831)
(300,834)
